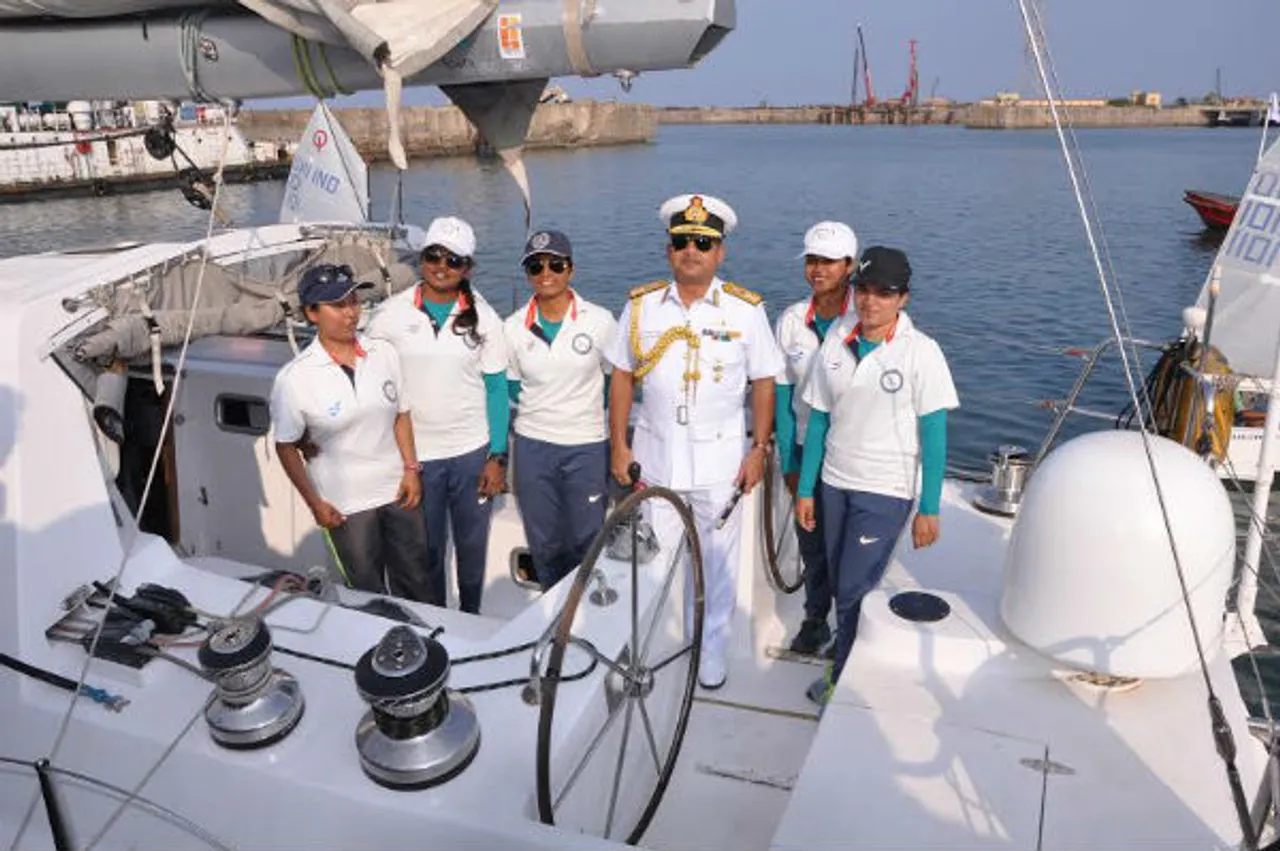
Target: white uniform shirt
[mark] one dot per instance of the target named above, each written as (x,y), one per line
(875,406)
(691,434)
(359,466)
(562,384)
(799,341)
(443,373)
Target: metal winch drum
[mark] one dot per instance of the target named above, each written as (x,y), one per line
(254,704)
(1010,467)
(416,733)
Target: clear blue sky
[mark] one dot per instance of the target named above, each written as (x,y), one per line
(801,51)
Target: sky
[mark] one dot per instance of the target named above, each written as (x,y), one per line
(801,51)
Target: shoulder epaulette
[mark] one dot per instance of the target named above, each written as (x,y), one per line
(645,289)
(743,293)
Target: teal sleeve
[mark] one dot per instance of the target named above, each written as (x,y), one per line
(513,390)
(607,379)
(933,460)
(784,426)
(815,446)
(497,405)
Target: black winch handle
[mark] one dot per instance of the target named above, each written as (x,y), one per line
(633,473)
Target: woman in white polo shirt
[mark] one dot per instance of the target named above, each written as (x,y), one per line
(879,397)
(559,377)
(345,394)
(455,364)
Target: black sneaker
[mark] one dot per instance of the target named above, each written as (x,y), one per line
(813,634)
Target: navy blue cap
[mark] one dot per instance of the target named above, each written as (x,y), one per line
(884,268)
(547,242)
(326,282)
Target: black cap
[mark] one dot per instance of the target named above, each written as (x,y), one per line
(326,282)
(885,269)
(548,242)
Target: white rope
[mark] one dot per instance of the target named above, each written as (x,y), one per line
(131,532)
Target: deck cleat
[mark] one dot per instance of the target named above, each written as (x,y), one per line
(254,704)
(416,733)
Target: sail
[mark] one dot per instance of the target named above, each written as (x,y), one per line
(1246,322)
(329,181)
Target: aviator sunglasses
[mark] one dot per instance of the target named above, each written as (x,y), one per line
(555,264)
(702,243)
(435,254)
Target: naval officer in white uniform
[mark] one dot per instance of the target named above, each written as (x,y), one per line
(694,344)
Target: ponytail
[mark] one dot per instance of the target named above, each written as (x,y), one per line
(468,319)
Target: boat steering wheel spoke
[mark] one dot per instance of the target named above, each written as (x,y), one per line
(585,784)
(783,565)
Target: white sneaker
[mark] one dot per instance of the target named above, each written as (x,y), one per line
(711,671)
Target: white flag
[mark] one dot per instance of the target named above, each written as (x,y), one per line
(1273,114)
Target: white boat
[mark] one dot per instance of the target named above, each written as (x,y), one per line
(1041,682)
(103,148)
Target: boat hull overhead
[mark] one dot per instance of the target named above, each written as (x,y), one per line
(242,56)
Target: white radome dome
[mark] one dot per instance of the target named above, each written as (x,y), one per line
(1089,576)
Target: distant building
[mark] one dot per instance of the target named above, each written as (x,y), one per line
(1140,98)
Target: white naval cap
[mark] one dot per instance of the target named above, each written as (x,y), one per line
(832,240)
(698,215)
(452,233)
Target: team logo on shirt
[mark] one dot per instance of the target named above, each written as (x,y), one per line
(335,408)
(582,344)
(389,391)
(891,381)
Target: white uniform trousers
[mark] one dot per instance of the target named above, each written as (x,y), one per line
(719,558)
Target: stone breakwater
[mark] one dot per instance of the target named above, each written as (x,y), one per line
(977,116)
(445,131)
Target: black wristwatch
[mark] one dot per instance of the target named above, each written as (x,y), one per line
(500,457)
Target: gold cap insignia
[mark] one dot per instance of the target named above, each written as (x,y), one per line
(695,212)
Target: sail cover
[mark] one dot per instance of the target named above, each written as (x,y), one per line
(1246,323)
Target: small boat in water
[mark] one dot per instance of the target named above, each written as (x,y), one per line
(1216,211)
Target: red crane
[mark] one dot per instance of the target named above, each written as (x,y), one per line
(911,97)
(866,70)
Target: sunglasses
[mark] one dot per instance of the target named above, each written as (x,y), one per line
(555,264)
(330,274)
(434,254)
(702,243)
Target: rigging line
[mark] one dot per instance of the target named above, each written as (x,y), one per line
(1092,202)
(176,819)
(1254,520)
(131,532)
(146,778)
(1224,741)
(1257,673)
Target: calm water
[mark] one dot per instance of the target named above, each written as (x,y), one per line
(1002,269)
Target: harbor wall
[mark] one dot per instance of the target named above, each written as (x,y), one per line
(445,131)
(993,117)
(977,116)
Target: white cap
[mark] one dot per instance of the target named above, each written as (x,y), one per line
(700,215)
(832,240)
(452,233)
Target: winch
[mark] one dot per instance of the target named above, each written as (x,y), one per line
(1010,466)
(254,704)
(416,733)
